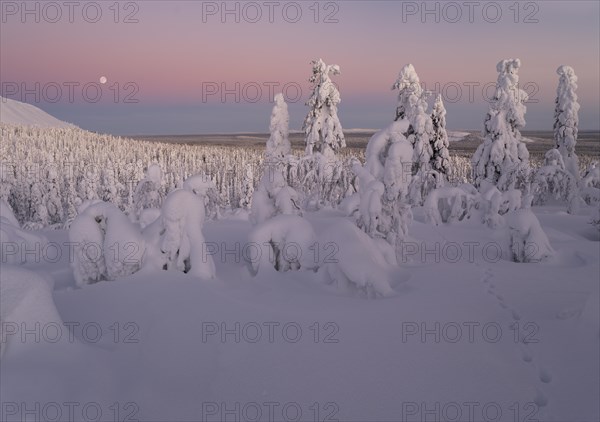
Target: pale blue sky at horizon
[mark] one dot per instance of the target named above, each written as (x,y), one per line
(176,58)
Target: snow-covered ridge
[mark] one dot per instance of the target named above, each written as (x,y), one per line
(456,136)
(17,113)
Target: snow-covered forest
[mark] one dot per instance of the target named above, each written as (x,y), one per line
(329,225)
(48,172)
(54,177)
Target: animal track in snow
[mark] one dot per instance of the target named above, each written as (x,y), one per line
(545,376)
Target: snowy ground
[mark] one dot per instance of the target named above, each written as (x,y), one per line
(468,338)
(19,113)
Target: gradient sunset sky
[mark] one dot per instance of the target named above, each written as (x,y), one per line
(174,49)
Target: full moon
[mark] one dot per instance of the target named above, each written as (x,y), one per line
(103,79)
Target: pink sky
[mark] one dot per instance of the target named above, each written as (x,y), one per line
(171,52)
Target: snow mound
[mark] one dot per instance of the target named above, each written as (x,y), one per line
(183,214)
(25,300)
(284,242)
(107,244)
(448,205)
(358,263)
(202,186)
(14,112)
(6,212)
(528,242)
(18,246)
(592,176)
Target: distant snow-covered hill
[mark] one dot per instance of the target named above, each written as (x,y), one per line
(17,113)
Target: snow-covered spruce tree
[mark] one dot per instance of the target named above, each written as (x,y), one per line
(410,92)
(38,216)
(148,195)
(6,179)
(412,106)
(502,159)
(52,198)
(382,210)
(274,195)
(110,187)
(322,127)
(87,185)
(278,145)
(275,210)
(440,158)
(425,179)
(247,189)
(566,119)
(46,206)
(320,171)
(70,201)
(421,132)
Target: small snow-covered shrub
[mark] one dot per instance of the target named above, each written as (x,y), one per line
(273,196)
(203,187)
(591,178)
(182,241)
(107,245)
(422,183)
(384,184)
(596,219)
(448,205)
(591,195)
(283,242)
(370,207)
(552,180)
(148,193)
(148,216)
(494,204)
(358,265)
(323,179)
(527,240)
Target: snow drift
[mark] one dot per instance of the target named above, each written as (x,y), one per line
(17,113)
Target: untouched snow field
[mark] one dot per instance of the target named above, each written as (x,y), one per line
(18,113)
(463,336)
